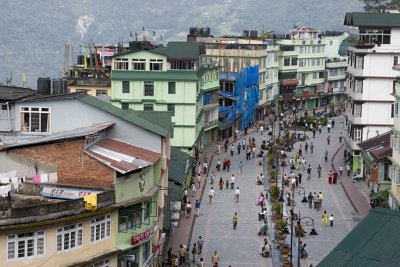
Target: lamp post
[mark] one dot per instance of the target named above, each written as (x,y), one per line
(303,221)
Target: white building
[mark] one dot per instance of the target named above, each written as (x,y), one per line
(373,50)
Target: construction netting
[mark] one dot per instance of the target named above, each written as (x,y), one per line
(245,96)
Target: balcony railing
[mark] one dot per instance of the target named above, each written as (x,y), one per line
(210,123)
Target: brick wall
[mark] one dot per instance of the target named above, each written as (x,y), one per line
(73,165)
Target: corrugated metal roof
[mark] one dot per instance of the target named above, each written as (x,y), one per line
(121,156)
(369,19)
(10,93)
(22,140)
(373,242)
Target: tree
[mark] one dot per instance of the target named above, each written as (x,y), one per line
(378,5)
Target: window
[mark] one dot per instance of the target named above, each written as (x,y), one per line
(156,64)
(121,64)
(146,251)
(148,107)
(81,90)
(69,236)
(318,62)
(333,72)
(358,86)
(25,245)
(359,62)
(301,63)
(182,65)
(314,75)
(5,107)
(101,92)
(318,49)
(100,228)
(147,210)
(35,119)
(395,60)
(357,111)
(396,108)
(125,87)
(312,62)
(247,62)
(102,263)
(330,42)
(321,74)
(313,49)
(392,111)
(286,61)
(378,36)
(171,108)
(171,88)
(235,64)
(301,50)
(335,84)
(130,217)
(138,64)
(149,88)
(294,61)
(357,134)
(124,106)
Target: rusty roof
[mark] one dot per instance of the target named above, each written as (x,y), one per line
(122,157)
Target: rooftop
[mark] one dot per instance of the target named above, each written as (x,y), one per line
(373,242)
(12,93)
(369,19)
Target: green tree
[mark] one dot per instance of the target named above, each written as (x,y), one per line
(378,5)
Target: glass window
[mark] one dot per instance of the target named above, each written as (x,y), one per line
(148,107)
(69,236)
(35,119)
(149,88)
(100,228)
(101,92)
(130,217)
(286,61)
(314,76)
(124,106)
(171,108)
(171,88)
(156,64)
(321,74)
(294,61)
(25,245)
(138,64)
(125,87)
(121,64)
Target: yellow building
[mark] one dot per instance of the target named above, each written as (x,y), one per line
(93,87)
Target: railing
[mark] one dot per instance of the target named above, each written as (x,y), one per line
(210,123)
(103,82)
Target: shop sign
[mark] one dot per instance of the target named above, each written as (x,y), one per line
(142,237)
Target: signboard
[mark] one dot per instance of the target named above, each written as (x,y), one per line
(142,237)
(105,52)
(66,193)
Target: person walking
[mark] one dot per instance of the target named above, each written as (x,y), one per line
(199,168)
(235,220)
(241,167)
(226,184)
(309,172)
(243,144)
(303,163)
(312,147)
(331,218)
(215,258)
(326,155)
(299,176)
(319,127)
(253,152)
(310,200)
(200,263)
(313,133)
(181,253)
(319,170)
(341,124)
(212,178)
(348,169)
(238,147)
(321,198)
(188,210)
(340,137)
(226,145)
(233,181)
(329,127)
(193,190)
(341,170)
(328,139)
(211,194)
(219,148)
(200,244)
(317,202)
(306,147)
(248,153)
(194,252)
(186,258)
(324,219)
(218,167)
(232,149)
(221,183)
(198,180)
(237,194)
(205,167)
(197,208)
(228,164)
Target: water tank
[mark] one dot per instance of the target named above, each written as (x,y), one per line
(253,34)
(44,85)
(205,31)
(245,33)
(80,59)
(60,86)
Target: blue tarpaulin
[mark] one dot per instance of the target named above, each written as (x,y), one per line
(246,97)
(207,98)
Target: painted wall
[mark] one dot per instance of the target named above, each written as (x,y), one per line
(65,114)
(377,89)
(91,89)
(23,165)
(53,258)
(7,118)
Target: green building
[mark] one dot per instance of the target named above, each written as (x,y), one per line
(173,79)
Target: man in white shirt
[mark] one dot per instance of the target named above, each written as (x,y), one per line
(211,194)
(233,181)
(237,194)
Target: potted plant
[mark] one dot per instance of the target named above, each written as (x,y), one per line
(285,248)
(272,174)
(282,224)
(274,191)
(278,208)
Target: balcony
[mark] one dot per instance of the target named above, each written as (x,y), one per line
(210,124)
(90,82)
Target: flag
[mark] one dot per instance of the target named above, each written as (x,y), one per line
(130,33)
(143,28)
(84,58)
(23,79)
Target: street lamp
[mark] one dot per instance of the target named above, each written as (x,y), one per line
(303,221)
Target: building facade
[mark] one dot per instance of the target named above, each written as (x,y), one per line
(171,79)
(374,48)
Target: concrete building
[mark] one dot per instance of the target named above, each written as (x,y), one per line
(302,68)
(233,53)
(374,48)
(173,79)
(65,147)
(335,82)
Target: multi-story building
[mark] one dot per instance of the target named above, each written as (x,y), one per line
(302,68)
(335,81)
(394,174)
(374,48)
(235,53)
(61,148)
(173,79)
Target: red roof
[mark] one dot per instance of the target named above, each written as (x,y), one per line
(122,157)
